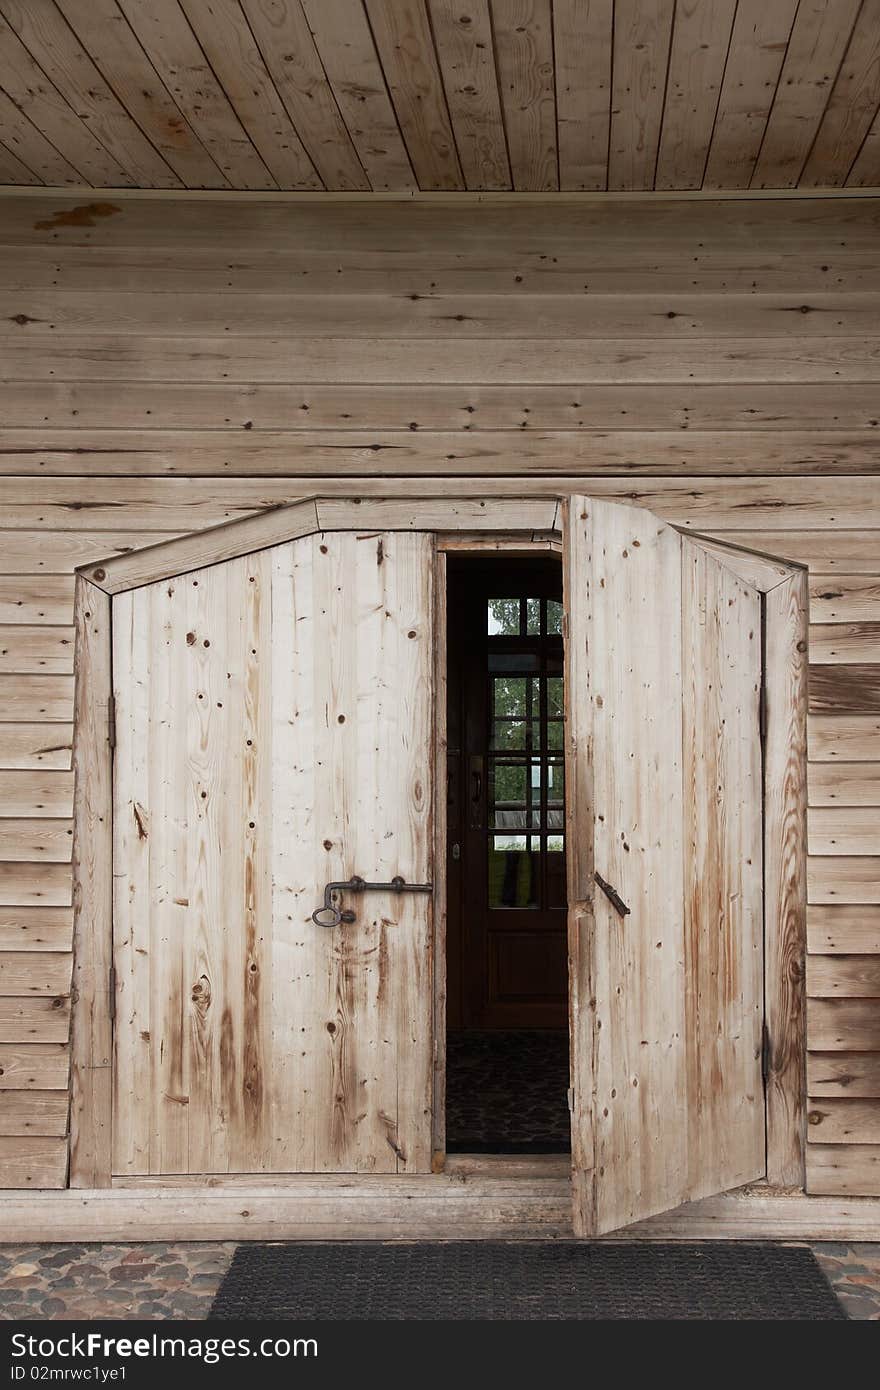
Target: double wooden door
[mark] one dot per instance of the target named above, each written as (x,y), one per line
(276,725)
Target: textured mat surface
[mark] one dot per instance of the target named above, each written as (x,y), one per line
(510,1281)
(507,1092)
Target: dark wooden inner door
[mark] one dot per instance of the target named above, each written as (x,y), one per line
(507,957)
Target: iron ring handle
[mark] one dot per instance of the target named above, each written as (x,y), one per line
(334,914)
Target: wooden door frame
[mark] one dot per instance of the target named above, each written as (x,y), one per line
(513,524)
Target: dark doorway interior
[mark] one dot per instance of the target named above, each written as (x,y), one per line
(507,985)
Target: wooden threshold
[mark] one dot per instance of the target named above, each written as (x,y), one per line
(448,1206)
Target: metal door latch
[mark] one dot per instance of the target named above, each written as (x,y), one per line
(612,895)
(329,915)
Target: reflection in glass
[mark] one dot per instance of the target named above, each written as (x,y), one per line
(554,617)
(554,696)
(503,617)
(533,617)
(513,872)
(509,695)
(508,734)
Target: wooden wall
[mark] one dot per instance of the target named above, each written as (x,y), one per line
(166,365)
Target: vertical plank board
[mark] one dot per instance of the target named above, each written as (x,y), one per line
(785,851)
(723,871)
(641,1140)
(818,41)
(402,33)
(346,49)
(757,51)
(282,32)
(851,107)
(463,36)
(135,957)
(697,59)
(439,851)
(256,761)
(524,54)
(168,41)
(91,1038)
(642,34)
(582,35)
(229,46)
(577,580)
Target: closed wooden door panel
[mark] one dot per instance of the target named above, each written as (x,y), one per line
(668,1093)
(275,720)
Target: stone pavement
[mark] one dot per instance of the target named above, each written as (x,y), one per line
(179,1279)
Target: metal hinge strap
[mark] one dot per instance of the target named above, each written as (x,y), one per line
(765,1052)
(111,721)
(111,988)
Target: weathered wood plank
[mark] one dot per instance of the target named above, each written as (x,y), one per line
(31,973)
(673,317)
(33,1066)
(288,49)
(427,454)
(843,1170)
(229,46)
(34,1113)
(757,50)
(108,38)
(582,40)
(816,46)
(36,928)
(345,46)
(467,61)
(843,929)
(700,503)
(35,598)
(843,1025)
(402,34)
(35,746)
(851,598)
(785,830)
(167,39)
(845,880)
(844,738)
(835,414)
(523,35)
(92,893)
(34,885)
(854,1074)
(43,650)
(32,1162)
(851,106)
(843,977)
(843,1121)
(39,840)
(845,829)
(844,784)
(58,553)
(114,356)
(837,643)
(851,688)
(24,697)
(40,792)
(697,59)
(642,35)
(36,1020)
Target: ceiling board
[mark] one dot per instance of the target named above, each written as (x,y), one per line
(402,96)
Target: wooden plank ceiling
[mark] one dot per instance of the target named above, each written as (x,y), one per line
(432,95)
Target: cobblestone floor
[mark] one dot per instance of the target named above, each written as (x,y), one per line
(179,1280)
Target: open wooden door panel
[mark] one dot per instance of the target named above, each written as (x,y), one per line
(665,874)
(274,733)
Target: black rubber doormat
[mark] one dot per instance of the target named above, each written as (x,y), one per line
(524,1281)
